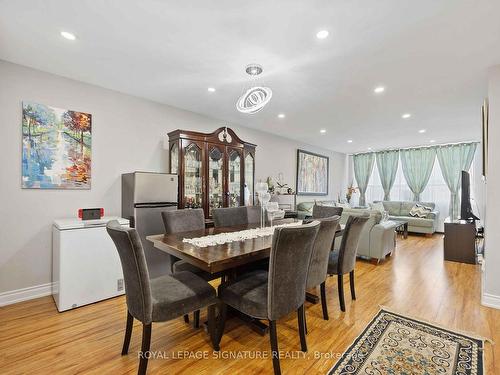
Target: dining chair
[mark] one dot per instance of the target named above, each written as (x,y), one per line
(342,261)
(253,214)
(277,292)
(159,299)
(320,212)
(230,216)
(318,266)
(186,220)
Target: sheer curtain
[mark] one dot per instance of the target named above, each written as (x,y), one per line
(453,159)
(363,167)
(387,166)
(417,166)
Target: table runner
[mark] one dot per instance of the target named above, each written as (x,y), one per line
(247,234)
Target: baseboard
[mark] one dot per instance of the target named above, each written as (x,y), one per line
(25,294)
(490,300)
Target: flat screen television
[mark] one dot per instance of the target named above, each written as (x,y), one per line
(466,208)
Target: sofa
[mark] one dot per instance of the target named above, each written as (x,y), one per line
(377,238)
(400,210)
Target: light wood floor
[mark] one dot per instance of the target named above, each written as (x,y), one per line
(36,339)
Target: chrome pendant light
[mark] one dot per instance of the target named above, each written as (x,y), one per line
(256,97)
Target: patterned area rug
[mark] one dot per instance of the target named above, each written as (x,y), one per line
(395,344)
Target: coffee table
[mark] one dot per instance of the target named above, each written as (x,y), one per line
(401,226)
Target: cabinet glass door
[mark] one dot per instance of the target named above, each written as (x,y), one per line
(174,159)
(234,178)
(193,190)
(215,178)
(249,180)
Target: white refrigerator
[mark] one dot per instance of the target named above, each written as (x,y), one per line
(86,267)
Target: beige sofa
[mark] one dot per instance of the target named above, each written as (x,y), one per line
(400,210)
(377,239)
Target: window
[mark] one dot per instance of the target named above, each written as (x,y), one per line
(436,190)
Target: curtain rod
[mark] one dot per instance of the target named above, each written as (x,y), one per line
(414,147)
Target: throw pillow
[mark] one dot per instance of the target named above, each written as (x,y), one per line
(420,211)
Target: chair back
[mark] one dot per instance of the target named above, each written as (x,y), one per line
(288,265)
(320,212)
(318,268)
(186,220)
(230,216)
(350,242)
(135,270)
(253,214)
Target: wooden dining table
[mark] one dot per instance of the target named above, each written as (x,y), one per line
(224,258)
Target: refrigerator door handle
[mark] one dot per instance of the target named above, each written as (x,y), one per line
(157,204)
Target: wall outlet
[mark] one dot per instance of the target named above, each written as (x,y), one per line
(119,286)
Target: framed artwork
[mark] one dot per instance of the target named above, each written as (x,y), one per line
(56,147)
(484,120)
(312,173)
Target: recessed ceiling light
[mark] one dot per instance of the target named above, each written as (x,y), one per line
(211,89)
(68,35)
(369,148)
(432,141)
(422,131)
(281,115)
(322,34)
(406,115)
(379,89)
(322,131)
(349,141)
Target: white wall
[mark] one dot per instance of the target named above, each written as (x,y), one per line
(491,281)
(128,135)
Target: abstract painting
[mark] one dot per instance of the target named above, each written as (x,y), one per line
(57,146)
(312,173)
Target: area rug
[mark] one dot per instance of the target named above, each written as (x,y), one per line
(396,344)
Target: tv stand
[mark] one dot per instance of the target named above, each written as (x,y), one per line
(460,241)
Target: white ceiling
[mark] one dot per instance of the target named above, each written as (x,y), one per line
(432,56)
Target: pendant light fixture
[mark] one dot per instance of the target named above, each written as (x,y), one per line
(256,97)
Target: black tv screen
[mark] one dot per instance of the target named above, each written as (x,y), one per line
(466,208)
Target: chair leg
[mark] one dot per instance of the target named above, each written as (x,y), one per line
(186,318)
(305,321)
(146,343)
(324,306)
(301,315)
(351,282)
(340,281)
(222,322)
(196,319)
(212,327)
(274,347)
(128,333)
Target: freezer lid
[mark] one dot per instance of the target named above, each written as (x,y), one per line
(75,223)
(155,187)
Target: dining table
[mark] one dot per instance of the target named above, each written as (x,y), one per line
(224,258)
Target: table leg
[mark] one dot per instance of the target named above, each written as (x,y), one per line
(405,231)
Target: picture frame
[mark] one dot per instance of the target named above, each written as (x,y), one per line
(313,173)
(484,124)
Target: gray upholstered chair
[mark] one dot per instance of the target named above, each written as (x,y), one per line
(176,221)
(319,260)
(253,214)
(227,217)
(186,220)
(344,260)
(277,292)
(319,212)
(159,299)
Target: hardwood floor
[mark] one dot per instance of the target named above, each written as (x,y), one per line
(36,339)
